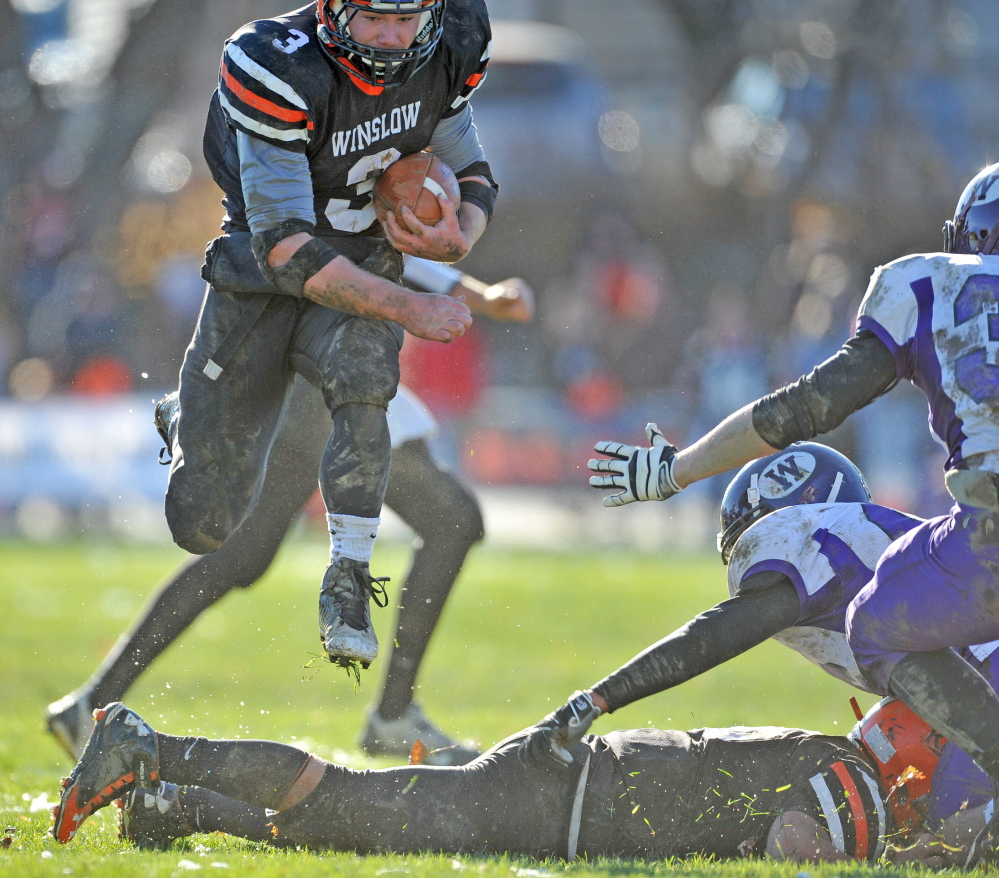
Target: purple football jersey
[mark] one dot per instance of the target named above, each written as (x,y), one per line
(938,314)
(829,552)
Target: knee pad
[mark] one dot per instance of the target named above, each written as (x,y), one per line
(200,523)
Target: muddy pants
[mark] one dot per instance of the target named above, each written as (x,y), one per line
(227,425)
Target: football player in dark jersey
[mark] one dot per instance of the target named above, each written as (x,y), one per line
(310,107)
(643,793)
(430,499)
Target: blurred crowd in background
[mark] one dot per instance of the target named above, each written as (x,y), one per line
(696,191)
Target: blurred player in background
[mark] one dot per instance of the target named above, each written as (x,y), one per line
(310,107)
(432,501)
(648,793)
(801,539)
(931,319)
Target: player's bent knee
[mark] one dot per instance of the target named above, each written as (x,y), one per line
(469,523)
(460,516)
(198,544)
(367,357)
(199,534)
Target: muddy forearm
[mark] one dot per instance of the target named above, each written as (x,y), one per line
(345,287)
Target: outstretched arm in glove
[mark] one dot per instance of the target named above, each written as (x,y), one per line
(816,403)
(768,604)
(660,471)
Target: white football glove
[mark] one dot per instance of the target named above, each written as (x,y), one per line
(640,473)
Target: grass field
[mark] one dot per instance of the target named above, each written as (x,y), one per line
(522,631)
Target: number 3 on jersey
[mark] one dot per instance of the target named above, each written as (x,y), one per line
(977,372)
(358,213)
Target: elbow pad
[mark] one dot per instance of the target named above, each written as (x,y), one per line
(861,371)
(477,193)
(308,260)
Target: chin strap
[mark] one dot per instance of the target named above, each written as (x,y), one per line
(950,236)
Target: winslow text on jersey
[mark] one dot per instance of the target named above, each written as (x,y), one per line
(372,130)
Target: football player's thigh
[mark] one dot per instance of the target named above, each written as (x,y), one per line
(935,587)
(226,425)
(350,359)
(234,415)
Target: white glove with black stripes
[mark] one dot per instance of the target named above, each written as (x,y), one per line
(640,473)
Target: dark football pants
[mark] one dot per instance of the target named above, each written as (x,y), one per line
(442,512)
(496,803)
(226,426)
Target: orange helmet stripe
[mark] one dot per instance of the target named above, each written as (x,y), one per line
(856,808)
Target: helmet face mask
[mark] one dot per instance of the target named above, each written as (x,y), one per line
(375,65)
(803,473)
(905,750)
(975,227)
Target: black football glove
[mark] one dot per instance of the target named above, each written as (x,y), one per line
(555,736)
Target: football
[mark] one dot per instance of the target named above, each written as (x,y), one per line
(415,181)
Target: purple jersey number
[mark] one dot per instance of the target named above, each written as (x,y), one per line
(976,376)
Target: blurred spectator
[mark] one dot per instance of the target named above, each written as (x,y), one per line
(608,324)
(102,375)
(758,170)
(724,366)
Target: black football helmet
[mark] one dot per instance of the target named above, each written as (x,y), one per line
(803,473)
(975,227)
(378,66)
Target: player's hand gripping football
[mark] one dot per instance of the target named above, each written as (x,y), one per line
(640,473)
(554,737)
(445,241)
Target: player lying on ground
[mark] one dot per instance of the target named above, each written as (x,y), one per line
(801,539)
(431,500)
(645,793)
(928,318)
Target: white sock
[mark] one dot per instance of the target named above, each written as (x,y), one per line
(352,537)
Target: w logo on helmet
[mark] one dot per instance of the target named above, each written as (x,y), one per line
(786,474)
(805,472)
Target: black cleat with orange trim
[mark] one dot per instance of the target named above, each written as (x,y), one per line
(122,752)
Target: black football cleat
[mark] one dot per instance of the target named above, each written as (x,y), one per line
(165,419)
(344,614)
(153,818)
(70,721)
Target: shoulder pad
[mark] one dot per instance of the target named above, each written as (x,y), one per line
(467,43)
(273,79)
(780,542)
(466,27)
